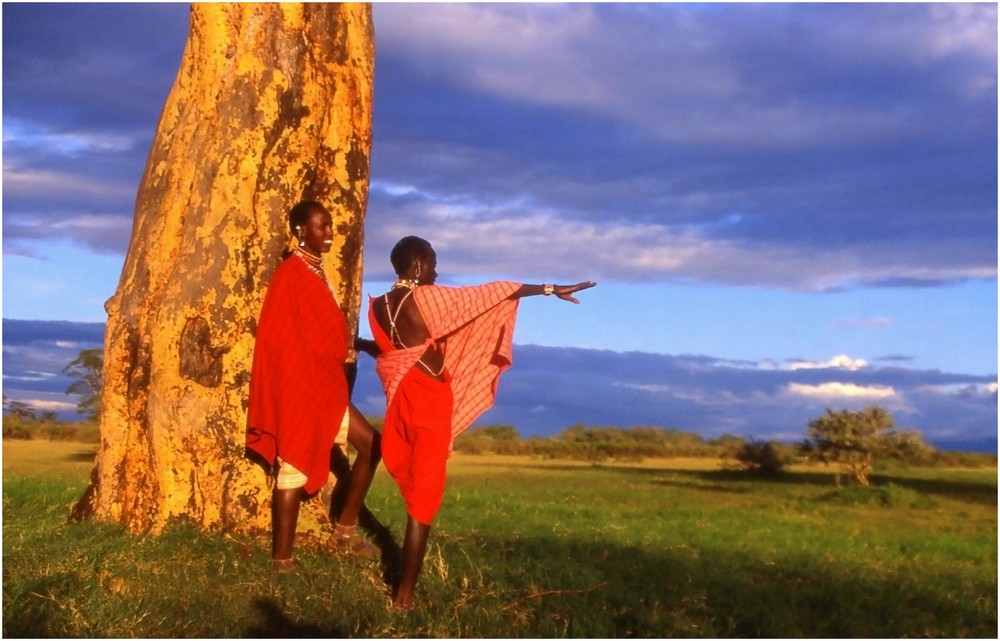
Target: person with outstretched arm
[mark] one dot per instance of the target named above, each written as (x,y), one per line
(440,352)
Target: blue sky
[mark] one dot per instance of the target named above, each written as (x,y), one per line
(787,207)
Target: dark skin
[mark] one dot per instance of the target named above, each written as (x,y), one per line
(317,233)
(412,331)
(317,236)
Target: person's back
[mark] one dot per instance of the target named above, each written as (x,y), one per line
(441,353)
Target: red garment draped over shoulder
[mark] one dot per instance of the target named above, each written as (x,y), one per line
(474,326)
(298,390)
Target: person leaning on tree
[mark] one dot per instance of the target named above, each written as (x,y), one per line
(299,392)
(440,352)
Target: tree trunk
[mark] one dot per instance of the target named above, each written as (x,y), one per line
(272,104)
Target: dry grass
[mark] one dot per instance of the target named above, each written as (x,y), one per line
(46,458)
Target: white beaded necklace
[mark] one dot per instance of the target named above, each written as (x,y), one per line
(314,263)
(409,283)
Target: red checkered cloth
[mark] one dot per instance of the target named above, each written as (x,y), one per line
(474,327)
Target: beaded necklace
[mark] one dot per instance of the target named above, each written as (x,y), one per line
(410,284)
(314,263)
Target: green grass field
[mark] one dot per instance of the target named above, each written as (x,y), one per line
(529,548)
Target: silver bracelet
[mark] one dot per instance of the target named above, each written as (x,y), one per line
(547,289)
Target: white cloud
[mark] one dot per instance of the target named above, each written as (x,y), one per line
(842,361)
(69,143)
(878,322)
(962,389)
(834,390)
(91,222)
(30,377)
(22,182)
(966,27)
(696,87)
(516,239)
(646,387)
(45,405)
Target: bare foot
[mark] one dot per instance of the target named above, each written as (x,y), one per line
(400,606)
(283,566)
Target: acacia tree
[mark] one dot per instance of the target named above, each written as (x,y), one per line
(19,409)
(272,104)
(856,439)
(88,369)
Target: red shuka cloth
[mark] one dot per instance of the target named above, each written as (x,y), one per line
(298,390)
(474,326)
(416,442)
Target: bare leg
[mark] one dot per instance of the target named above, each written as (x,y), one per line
(414,550)
(284,517)
(368,444)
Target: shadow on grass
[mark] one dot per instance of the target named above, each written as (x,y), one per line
(501,586)
(391,559)
(970,492)
(40,613)
(275,624)
(984,493)
(556,587)
(736,481)
(574,589)
(86,456)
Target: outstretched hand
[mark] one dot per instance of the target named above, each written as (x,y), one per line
(565,292)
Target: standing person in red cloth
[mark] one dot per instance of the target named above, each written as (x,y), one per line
(299,393)
(440,352)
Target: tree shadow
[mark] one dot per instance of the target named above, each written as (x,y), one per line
(982,493)
(702,486)
(85,456)
(391,558)
(819,479)
(611,590)
(731,480)
(40,613)
(970,491)
(275,624)
(714,477)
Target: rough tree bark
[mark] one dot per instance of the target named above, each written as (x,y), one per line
(272,104)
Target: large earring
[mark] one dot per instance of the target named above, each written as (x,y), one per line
(417,272)
(302,242)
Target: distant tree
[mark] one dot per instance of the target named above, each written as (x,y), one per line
(20,410)
(759,456)
(908,446)
(855,439)
(727,444)
(500,432)
(495,439)
(48,416)
(88,369)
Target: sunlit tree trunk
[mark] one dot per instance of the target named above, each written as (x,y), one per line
(272,104)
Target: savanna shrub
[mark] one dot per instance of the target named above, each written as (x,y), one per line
(760,457)
(17,430)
